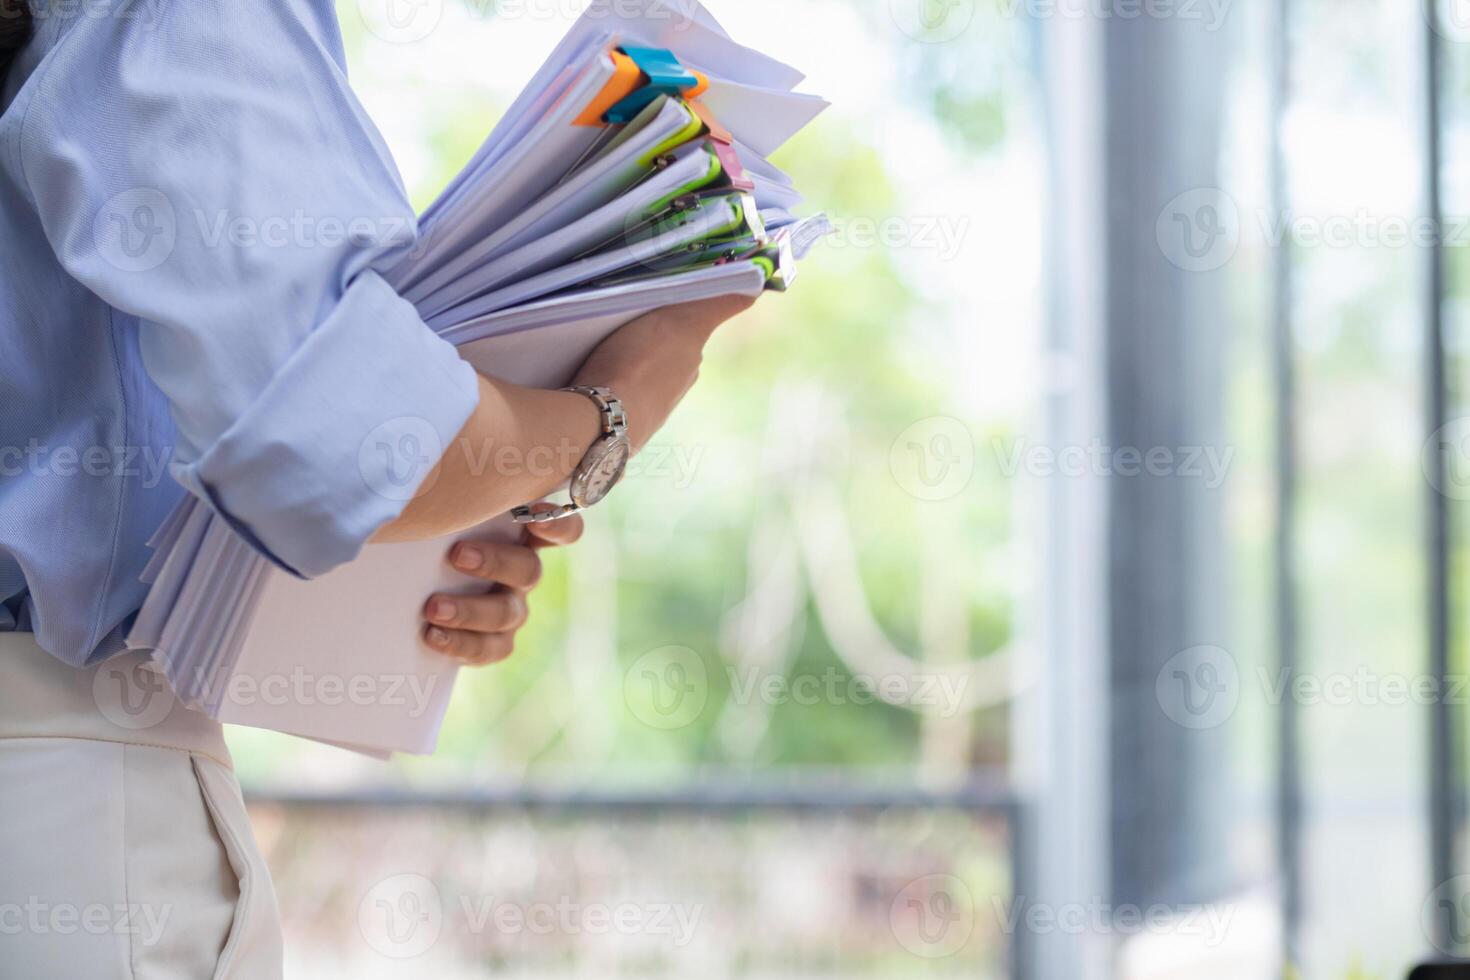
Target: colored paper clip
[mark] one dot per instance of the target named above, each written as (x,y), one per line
(627,76)
(665,76)
(752,215)
(730,163)
(775,258)
(784,273)
(724,146)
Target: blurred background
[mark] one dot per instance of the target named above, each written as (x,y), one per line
(1065,580)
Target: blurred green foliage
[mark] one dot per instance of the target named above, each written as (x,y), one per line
(678,550)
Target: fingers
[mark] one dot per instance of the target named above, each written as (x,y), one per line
(511,565)
(566,531)
(491,612)
(476,629)
(480,629)
(474,649)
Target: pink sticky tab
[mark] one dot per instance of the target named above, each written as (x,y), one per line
(730,163)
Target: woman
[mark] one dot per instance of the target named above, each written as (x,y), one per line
(142,333)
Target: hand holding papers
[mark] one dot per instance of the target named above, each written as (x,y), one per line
(628,176)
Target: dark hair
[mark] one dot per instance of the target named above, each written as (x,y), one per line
(15,30)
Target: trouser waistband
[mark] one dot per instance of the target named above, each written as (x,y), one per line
(123,699)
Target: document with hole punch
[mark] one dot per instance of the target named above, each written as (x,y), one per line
(629,175)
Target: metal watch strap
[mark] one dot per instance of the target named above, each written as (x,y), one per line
(614,422)
(614,419)
(525,515)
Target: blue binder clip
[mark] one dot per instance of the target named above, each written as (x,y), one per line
(665,77)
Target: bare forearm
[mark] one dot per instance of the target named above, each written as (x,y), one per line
(522,443)
(519,445)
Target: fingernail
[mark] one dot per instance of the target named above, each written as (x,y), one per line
(438,637)
(443,610)
(468,558)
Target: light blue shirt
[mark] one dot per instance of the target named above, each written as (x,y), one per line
(192,209)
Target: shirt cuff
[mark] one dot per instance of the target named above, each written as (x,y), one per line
(341,439)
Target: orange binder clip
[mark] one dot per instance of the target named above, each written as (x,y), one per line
(641,75)
(627,77)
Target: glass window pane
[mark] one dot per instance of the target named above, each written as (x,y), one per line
(1354,143)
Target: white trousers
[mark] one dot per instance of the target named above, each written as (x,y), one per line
(125,849)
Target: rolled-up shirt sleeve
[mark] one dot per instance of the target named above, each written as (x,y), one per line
(207,170)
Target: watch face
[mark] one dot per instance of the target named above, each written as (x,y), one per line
(601,471)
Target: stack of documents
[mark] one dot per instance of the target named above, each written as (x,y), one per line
(631,174)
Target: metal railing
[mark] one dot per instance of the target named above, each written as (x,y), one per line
(984,797)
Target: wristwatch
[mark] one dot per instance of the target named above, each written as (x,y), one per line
(600,469)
